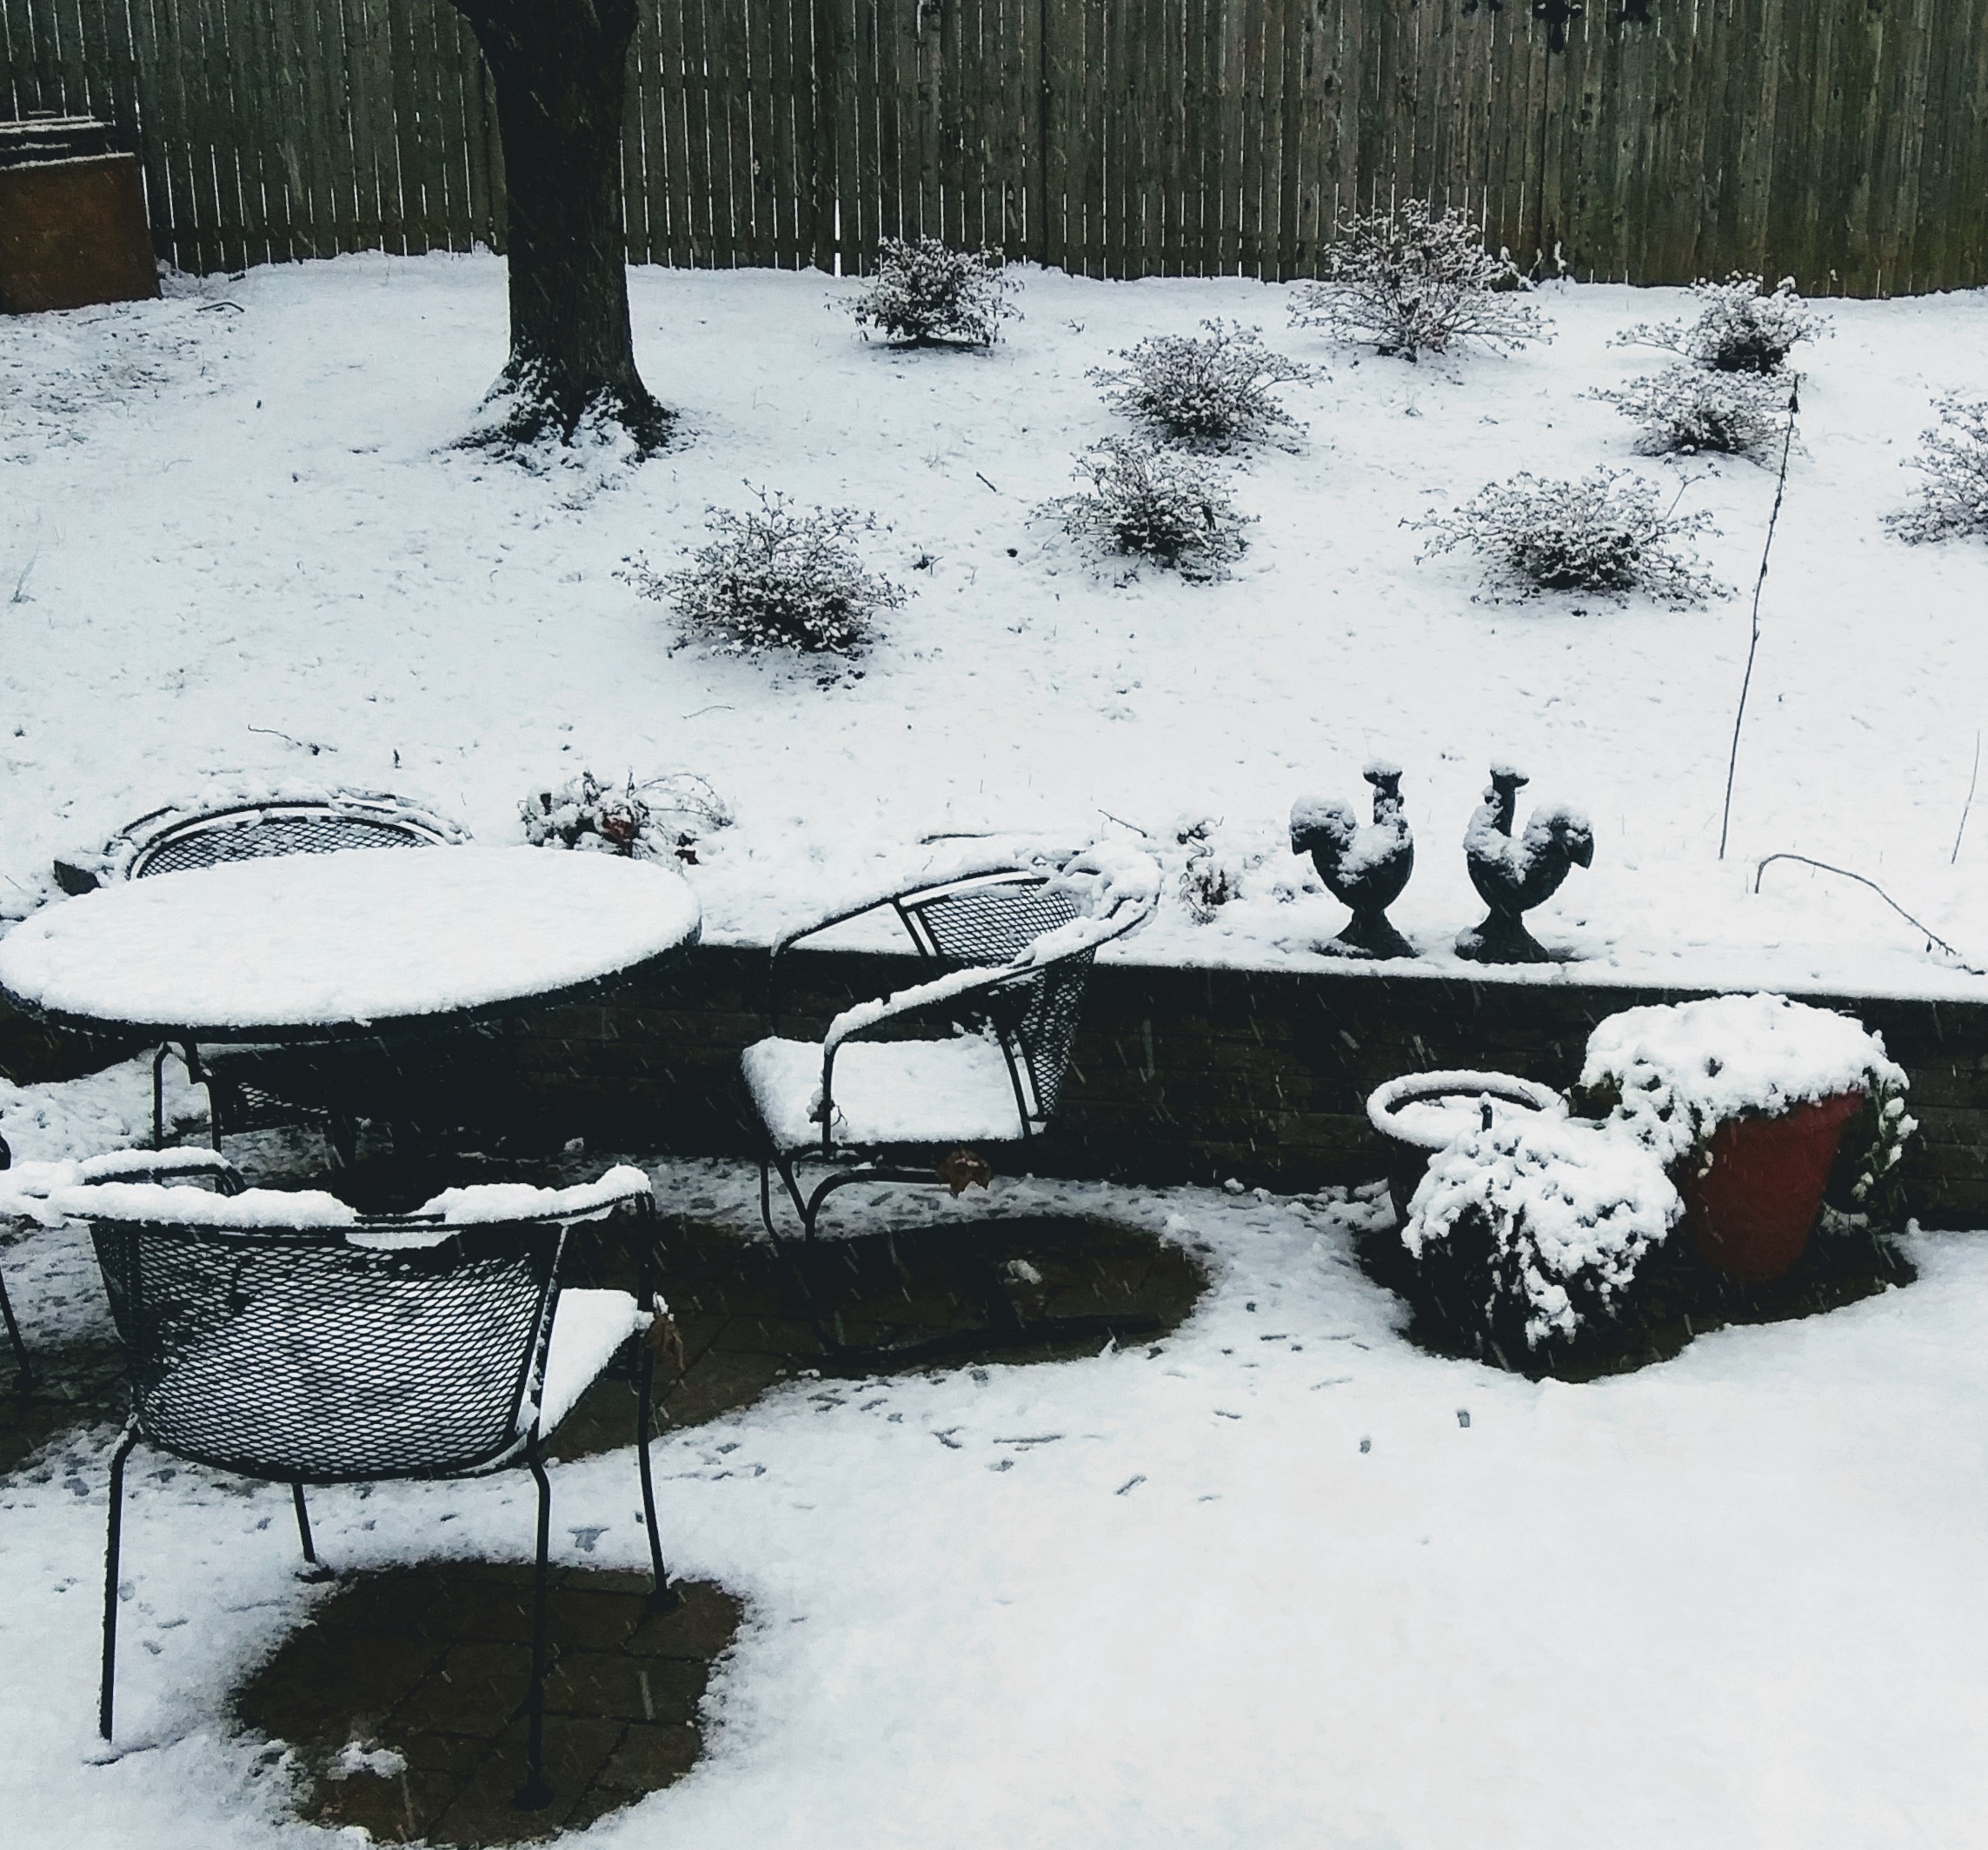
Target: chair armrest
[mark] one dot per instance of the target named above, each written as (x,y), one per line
(975,979)
(949,988)
(154,1166)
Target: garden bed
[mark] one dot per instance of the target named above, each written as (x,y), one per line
(232,518)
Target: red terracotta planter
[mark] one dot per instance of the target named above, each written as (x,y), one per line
(1750,1212)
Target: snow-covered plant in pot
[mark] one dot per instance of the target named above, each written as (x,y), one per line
(1528,1236)
(1746,1100)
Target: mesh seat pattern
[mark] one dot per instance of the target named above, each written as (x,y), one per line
(266,834)
(315,1357)
(244,1107)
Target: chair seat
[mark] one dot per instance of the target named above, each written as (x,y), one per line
(887,1092)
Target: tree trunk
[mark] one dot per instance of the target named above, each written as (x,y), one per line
(560,69)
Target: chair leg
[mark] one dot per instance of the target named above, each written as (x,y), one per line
(536,1792)
(113,1550)
(159,1098)
(25,1377)
(662,1597)
(314,1570)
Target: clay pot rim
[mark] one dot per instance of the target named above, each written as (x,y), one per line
(1421,1088)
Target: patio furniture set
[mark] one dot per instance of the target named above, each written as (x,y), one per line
(305,977)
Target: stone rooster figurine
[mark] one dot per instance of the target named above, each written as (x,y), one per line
(1512,877)
(1364,866)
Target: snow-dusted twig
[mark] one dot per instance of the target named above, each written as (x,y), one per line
(1753,645)
(1863,880)
(1974,777)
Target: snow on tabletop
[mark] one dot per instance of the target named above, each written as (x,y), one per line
(354,937)
(587,1329)
(954,1090)
(1563,1196)
(1683,1068)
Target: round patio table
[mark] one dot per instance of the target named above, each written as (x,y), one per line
(319,948)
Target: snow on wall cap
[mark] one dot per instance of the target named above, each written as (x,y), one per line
(1389,1106)
(487,1202)
(1564,1197)
(1683,1068)
(1108,878)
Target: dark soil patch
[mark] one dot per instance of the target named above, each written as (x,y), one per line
(744,1317)
(432,1663)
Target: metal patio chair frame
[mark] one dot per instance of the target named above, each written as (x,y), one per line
(25,1376)
(167,1280)
(238,1083)
(1020,956)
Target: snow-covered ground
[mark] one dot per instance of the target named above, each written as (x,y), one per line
(1284,1581)
(233,540)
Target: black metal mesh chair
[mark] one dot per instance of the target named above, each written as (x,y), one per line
(254,1088)
(287,1339)
(24,1376)
(1018,945)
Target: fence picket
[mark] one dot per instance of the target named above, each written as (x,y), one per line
(1842,143)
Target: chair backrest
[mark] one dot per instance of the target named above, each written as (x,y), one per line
(992,918)
(331,1355)
(988,918)
(168,841)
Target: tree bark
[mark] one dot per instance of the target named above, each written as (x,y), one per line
(560,69)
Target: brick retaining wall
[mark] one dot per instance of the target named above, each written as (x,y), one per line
(1198,1074)
(1180,1074)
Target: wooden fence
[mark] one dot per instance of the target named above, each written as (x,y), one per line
(1844,142)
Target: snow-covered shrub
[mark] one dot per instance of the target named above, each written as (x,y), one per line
(1213,874)
(924,294)
(1672,1074)
(1684,410)
(1604,532)
(1532,1232)
(1410,281)
(1211,388)
(775,577)
(649,822)
(1739,327)
(1953,499)
(1154,503)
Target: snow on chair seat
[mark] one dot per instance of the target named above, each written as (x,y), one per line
(887,1092)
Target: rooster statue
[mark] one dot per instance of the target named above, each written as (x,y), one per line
(1512,877)
(1365,868)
